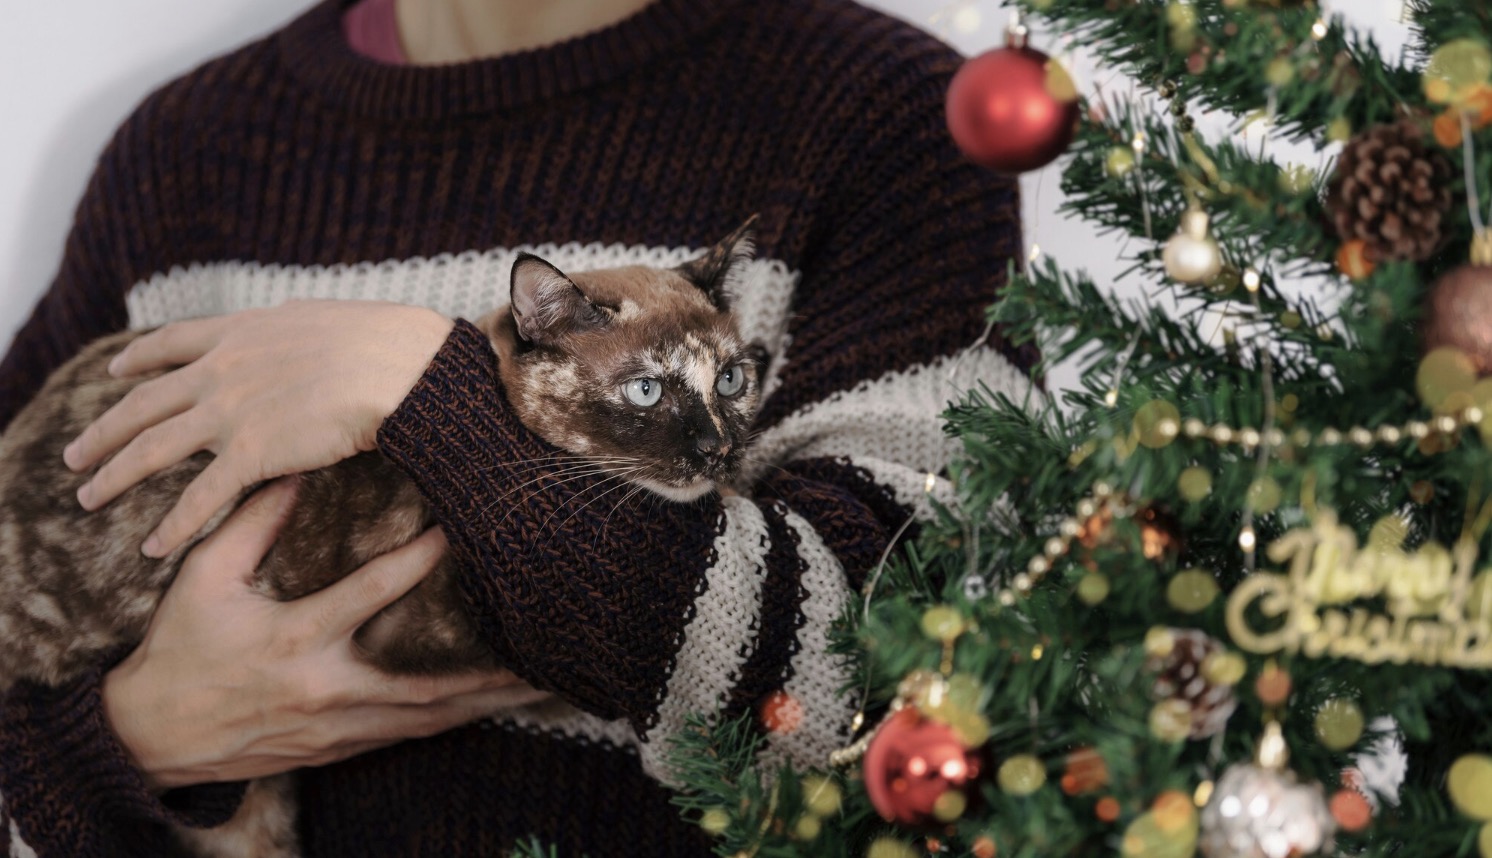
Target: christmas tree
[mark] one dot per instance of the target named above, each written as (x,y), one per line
(1183,607)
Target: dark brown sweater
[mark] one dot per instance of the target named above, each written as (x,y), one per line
(294,167)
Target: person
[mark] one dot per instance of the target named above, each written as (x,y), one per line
(313,165)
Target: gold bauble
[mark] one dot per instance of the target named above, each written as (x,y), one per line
(1021,775)
(1192,256)
(1093,588)
(1191,590)
(1195,483)
(1469,782)
(1120,162)
(1156,423)
(1339,724)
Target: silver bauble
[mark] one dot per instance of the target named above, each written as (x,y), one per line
(1258,812)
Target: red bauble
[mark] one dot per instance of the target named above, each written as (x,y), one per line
(911,762)
(1012,109)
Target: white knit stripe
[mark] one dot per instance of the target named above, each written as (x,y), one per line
(556,716)
(466,285)
(895,418)
(817,677)
(722,634)
(18,847)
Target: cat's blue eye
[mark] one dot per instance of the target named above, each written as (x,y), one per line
(731,381)
(643,391)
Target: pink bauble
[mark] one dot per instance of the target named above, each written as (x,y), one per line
(1010,110)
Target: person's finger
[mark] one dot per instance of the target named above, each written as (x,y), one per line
(156,448)
(176,344)
(344,606)
(247,534)
(205,495)
(146,405)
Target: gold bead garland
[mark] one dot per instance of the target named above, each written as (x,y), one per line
(1358,436)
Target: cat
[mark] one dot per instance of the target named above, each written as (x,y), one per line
(586,360)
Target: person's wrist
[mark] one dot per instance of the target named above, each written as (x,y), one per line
(423,333)
(120,693)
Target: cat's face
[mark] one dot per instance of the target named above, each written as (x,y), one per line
(640,370)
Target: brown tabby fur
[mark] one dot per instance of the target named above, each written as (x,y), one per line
(74,585)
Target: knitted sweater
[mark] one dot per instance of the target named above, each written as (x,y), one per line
(295,168)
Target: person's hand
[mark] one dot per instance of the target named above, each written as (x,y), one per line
(270,392)
(229,684)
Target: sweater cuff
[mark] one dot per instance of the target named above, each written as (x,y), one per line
(459,398)
(60,760)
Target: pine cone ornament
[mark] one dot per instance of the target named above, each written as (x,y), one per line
(1391,190)
(1191,685)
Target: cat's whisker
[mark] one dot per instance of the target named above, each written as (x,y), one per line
(587,503)
(766,464)
(564,475)
(570,471)
(616,506)
(608,478)
(566,461)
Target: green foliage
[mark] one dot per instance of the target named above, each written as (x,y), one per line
(1059,674)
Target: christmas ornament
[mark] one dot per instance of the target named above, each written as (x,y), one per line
(1351,810)
(1469,783)
(1119,162)
(1181,683)
(1156,423)
(1191,591)
(714,821)
(1194,483)
(911,763)
(1392,191)
(1093,588)
(1425,616)
(1147,838)
(1455,69)
(1339,724)
(983,847)
(781,713)
(1106,809)
(1353,259)
(1260,810)
(1086,772)
(1459,310)
(1273,686)
(1192,256)
(1020,775)
(1012,109)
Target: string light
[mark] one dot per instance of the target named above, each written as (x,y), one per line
(1251,279)
(1318,29)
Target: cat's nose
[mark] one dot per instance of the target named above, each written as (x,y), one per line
(712,446)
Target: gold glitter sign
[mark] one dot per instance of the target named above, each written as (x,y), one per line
(1424,606)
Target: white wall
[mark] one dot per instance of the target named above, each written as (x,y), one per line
(71,70)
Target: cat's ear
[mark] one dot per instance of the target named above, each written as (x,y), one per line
(547,304)
(716,271)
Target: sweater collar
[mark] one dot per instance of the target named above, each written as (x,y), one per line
(317,53)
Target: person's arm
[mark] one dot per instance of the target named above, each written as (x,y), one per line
(83,767)
(648,610)
(65,781)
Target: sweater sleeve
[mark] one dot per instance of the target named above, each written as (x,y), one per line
(633,608)
(67,787)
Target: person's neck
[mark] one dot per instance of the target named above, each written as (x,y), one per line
(452,31)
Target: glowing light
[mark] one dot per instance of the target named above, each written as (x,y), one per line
(1251,279)
(1318,29)
(1247,539)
